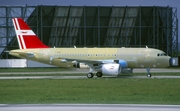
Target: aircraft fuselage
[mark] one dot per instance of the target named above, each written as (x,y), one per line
(135,57)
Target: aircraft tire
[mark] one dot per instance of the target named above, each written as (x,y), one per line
(99,74)
(90,75)
(149,75)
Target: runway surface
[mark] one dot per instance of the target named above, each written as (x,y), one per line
(84,71)
(81,77)
(88,107)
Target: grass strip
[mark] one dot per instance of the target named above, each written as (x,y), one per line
(97,90)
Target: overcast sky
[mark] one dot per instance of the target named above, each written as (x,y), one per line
(170,3)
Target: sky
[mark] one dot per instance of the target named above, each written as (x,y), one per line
(170,3)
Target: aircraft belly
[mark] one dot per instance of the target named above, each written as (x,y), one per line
(68,64)
(147,62)
(132,64)
(43,56)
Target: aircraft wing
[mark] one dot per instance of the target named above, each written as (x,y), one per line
(92,63)
(88,61)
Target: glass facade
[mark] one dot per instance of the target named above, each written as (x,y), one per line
(94,26)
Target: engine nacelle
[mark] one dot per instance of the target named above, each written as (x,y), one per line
(120,66)
(111,69)
(122,63)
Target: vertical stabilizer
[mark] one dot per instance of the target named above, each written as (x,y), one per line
(26,37)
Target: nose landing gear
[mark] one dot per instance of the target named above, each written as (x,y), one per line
(148,72)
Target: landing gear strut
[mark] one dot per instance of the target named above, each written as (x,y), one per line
(148,72)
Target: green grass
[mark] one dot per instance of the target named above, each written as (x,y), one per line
(97,90)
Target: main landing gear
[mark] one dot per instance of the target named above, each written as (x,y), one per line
(99,74)
(148,72)
(91,75)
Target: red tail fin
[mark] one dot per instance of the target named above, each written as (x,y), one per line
(25,36)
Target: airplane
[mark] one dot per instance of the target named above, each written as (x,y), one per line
(103,61)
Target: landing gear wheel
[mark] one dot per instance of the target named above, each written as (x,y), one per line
(148,72)
(99,74)
(90,75)
(149,75)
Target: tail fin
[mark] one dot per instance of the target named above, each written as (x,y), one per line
(26,37)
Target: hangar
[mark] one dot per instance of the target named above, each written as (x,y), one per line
(94,26)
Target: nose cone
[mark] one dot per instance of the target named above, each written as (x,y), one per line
(172,62)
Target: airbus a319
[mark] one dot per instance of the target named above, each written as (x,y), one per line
(103,61)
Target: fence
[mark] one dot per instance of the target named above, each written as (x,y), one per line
(21,63)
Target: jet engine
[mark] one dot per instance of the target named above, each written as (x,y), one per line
(123,63)
(111,69)
(114,68)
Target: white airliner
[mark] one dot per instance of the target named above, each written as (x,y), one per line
(103,61)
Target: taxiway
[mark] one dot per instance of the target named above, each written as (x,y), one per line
(88,107)
(84,71)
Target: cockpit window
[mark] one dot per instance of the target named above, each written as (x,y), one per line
(161,54)
(164,54)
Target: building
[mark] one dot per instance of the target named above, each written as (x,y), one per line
(94,26)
